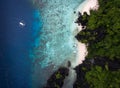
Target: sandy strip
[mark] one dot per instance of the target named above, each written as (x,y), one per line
(86,6)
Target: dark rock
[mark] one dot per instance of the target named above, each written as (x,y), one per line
(57,79)
(69,64)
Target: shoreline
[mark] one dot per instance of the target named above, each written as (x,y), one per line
(90,72)
(82,47)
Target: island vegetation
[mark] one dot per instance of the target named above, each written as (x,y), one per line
(56,80)
(101,32)
(102,35)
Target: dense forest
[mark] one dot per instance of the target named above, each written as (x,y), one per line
(101,33)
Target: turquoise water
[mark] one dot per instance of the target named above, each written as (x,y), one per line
(54,37)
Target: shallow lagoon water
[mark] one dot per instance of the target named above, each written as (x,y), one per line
(55,42)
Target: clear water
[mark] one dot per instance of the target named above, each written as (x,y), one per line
(54,44)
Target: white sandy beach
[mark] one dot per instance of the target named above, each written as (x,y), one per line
(86,6)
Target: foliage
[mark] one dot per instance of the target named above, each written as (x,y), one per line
(103,30)
(58,75)
(102,34)
(102,78)
(57,78)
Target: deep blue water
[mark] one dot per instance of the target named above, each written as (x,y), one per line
(23,47)
(15,43)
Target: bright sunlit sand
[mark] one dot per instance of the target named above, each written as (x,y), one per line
(86,6)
